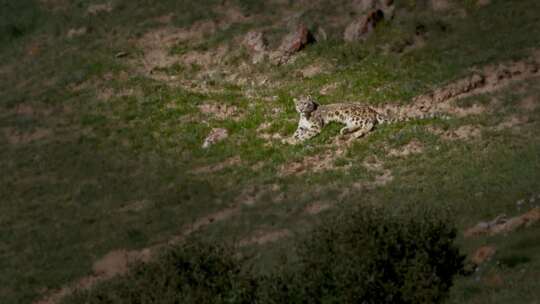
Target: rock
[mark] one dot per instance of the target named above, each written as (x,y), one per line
(292,43)
(363,27)
(296,40)
(95,9)
(321,34)
(483,2)
(255,42)
(121,54)
(312,70)
(440,5)
(364,5)
(502,225)
(215,136)
(76,32)
(483,254)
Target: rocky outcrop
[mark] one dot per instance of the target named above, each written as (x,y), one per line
(502,224)
(363,27)
(372,12)
(256,44)
(292,43)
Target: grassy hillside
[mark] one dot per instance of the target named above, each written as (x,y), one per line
(104,107)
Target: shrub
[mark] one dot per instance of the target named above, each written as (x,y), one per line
(193,273)
(17,18)
(374,255)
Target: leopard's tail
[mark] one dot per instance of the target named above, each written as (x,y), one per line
(389,119)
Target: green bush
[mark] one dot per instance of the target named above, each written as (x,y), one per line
(373,255)
(193,273)
(17,18)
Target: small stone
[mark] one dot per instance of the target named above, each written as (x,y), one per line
(216,135)
(76,32)
(321,34)
(121,54)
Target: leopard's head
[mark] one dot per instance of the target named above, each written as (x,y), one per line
(305,104)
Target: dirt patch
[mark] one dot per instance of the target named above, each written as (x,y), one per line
(221,111)
(484,80)
(253,194)
(264,237)
(264,133)
(106,94)
(16,137)
(328,88)
(482,3)
(413,147)
(494,280)
(216,135)
(503,225)
(313,70)
(317,207)
(114,263)
(529,103)
(135,206)
(483,254)
(440,5)
(156,44)
(315,163)
(95,9)
(28,110)
(205,221)
(382,175)
(55,5)
(513,121)
(230,162)
(6,70)
(76,32)
(462,112)
(118,262)
(465,132)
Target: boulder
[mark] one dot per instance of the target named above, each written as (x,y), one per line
(254,41)
(296,40)
(361,28)
(256,44)
(291,44)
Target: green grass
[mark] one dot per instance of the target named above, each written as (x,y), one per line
(65,196)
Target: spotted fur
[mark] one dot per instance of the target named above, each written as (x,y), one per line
(358,119)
